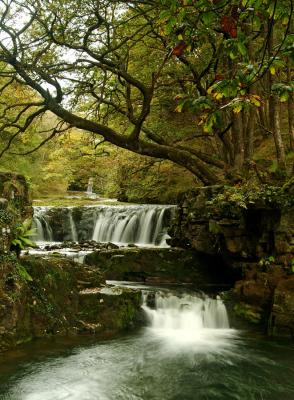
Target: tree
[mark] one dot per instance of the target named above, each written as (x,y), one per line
(80,58)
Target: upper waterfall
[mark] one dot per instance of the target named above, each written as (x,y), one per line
(121,224)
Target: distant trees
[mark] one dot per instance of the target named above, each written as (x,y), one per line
(108,67)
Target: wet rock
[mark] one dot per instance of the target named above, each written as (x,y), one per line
(282,315)
(255,240)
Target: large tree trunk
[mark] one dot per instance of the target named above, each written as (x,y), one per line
(290,112)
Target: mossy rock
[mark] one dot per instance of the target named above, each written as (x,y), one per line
(56,298)
(250,313)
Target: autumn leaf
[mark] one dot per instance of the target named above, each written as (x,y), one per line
(229,25)
(179,49)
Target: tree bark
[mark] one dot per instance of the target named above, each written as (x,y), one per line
(274,117)
(238,140)
(290,111)
(249,136)
(275,128)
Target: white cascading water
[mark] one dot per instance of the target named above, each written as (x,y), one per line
(143,225)
(139,224)
(73,229)
(41,225)
(189,320)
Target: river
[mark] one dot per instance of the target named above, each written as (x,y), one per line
(186,351)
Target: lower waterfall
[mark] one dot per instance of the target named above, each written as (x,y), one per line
(186,352)
(188,319)
(138,224)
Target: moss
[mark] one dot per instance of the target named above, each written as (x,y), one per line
(250,313)
(66,201)
(54,302)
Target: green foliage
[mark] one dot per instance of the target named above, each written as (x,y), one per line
(6,217)
(233,199)
(23,273)
(283,91)
(8,258)
(267,261)
(292,265)
(22,235)
(223,71)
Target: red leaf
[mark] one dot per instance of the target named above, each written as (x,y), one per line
(229,25)
(218,77)
(179,49)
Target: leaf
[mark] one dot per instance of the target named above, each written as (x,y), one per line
(254,99)
(237,108)
(24,273)
(208,18)
(284,96)
(232,55)
(17,242)
(256,22)
(285,20)
(210,89)
(272,70)
(242,48)
(27,242)
(179,49)
(218,95)
(179,107)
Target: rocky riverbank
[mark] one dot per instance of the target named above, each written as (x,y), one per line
(252,233)
(41,296)
(56,296)
(160,266)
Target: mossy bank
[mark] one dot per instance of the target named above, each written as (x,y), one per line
(55,296)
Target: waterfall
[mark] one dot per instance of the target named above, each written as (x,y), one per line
(187,318)
(139,224)
(42,225)
(74,234)
(142,225)
(90,186)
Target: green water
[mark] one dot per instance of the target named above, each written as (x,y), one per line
(146,366)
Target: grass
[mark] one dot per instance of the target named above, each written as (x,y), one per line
(75,199)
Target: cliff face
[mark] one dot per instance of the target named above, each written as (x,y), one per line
(253,233)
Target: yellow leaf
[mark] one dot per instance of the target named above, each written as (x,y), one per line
(210,89)
(237,109)
(255,101)
(218,96)
(272,70)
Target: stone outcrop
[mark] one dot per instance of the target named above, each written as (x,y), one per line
(56,296)
(218,220)
(162,266)
(253,234)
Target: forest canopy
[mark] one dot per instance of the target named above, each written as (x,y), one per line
(205,84)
